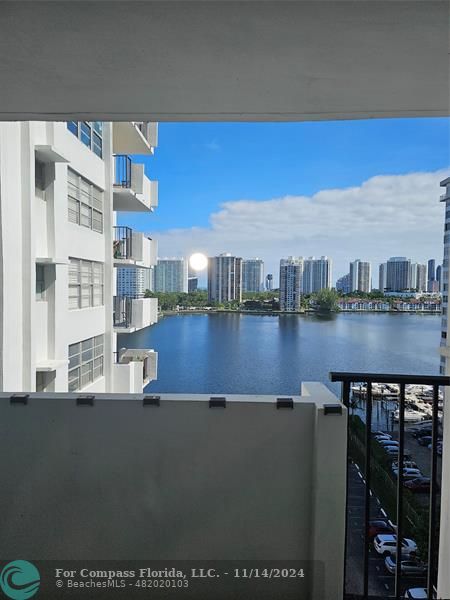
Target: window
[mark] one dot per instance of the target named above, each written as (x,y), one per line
(85,202)
(444,335)
(86,283)
(85,362)
(40,283)
(90,133)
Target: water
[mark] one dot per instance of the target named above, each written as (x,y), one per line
(249,354)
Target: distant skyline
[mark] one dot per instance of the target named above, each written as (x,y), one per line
(347,189)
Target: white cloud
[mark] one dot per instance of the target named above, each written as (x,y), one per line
(388,215)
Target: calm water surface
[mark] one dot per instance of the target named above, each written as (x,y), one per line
(249,354)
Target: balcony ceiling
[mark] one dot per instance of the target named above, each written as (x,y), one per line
(223,60)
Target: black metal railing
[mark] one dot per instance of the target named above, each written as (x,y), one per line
(401,381)
(122,242)
(122,170)
(122,311)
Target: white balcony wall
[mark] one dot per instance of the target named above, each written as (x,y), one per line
(144,312)
(153,252)
(128,139)
(152,134)
(269,483)
(149,252)
(154,194)
(137,177)
(151,367)
(128,377)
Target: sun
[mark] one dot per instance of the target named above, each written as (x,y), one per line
(198,261)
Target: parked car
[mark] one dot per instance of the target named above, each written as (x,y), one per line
(407,567)
(421,432)
(377,526)
(393,451)
(416,594)
(420,484)
(425,440)
(407,464)
(382,437)
(385,443)
(386,544)
(409,473)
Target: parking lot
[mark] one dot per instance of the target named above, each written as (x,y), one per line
(381,582)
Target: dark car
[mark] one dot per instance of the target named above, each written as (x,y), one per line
(425,440)
(421,432)
(379,526)
(420,484)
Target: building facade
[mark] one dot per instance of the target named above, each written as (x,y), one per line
(316,274)
(421,278)
(171,275)
(57,268)
(291,281)
(398,274)
(269,282)
(382,277)
(439,277)
(192,284)
(252,275)
(360,276)
(431,275)
(343,284)
(224,278)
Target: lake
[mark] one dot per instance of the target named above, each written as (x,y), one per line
(247,354)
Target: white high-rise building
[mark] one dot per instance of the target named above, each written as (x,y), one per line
(224,278)
(291,279)
(252,275)
(418,277)
(171,275)
(60,188)
(360,276)
(316,274)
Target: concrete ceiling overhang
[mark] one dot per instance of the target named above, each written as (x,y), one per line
(223,60)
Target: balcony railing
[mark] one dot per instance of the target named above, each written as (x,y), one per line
(122,170)
(123,242)
(370,392)
(122,311)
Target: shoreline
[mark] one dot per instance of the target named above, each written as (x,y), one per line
(275,313)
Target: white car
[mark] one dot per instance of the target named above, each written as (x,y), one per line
(385,443)
(416,594)
(386,544)
(409,473)
(382,436)
(407,464)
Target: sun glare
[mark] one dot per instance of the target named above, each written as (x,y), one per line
(198,261)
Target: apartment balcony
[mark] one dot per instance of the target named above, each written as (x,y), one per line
(134,369)
(133,248)
(132,314)
(254,480)
(309,495)
(133,191)
(135,137)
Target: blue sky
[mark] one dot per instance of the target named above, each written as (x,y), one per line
(202,167)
